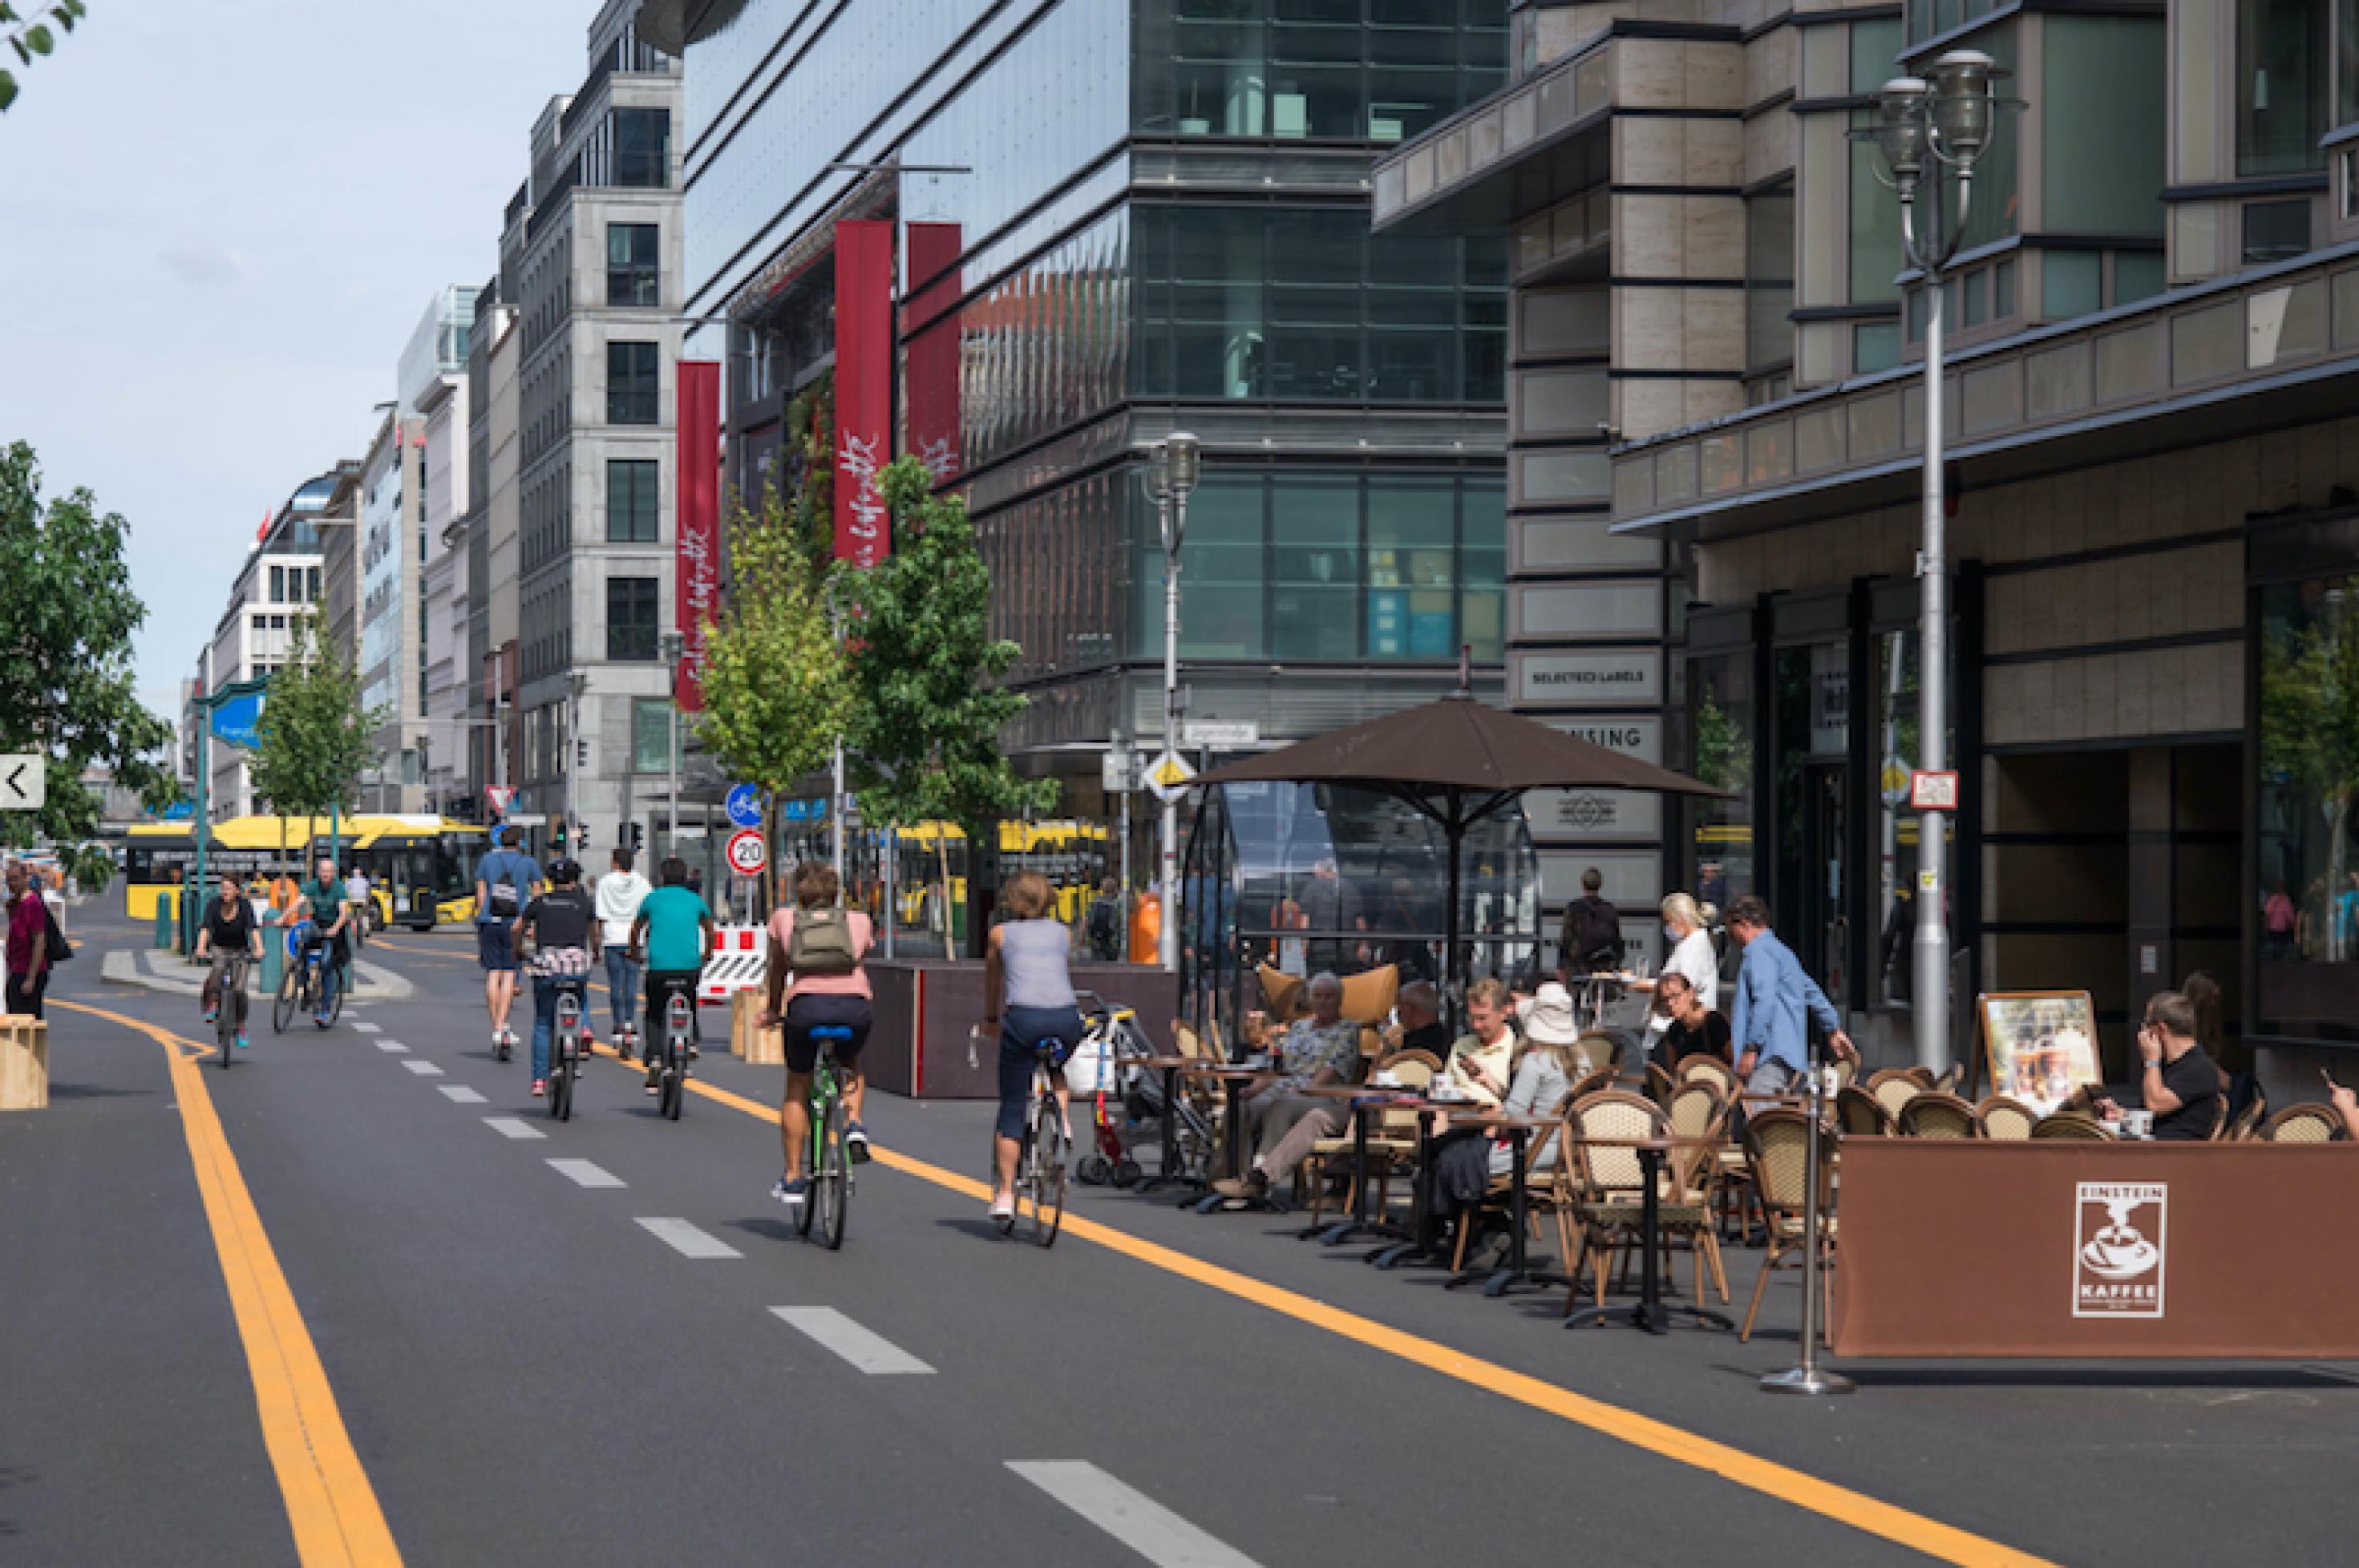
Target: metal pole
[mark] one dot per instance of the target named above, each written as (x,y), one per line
(203,826)
(671,828)
(1168,881)
(1808,1378)
(835,810)
(1931,952)
(892,885)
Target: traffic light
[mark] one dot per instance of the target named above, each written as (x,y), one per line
(580,753)
(638,837)
(557,835)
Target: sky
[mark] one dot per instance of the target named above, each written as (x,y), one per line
(219,223)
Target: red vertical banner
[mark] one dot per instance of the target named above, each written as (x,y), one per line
(864,386)
(930,328)
(696,591)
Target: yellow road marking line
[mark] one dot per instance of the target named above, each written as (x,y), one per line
(1935,1539)
(330,1505)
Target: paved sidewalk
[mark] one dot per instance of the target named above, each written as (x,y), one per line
(154,970)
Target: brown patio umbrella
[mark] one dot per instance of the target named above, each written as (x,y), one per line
(1458,762)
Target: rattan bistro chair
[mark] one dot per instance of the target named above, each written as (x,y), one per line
(1936,1115)
(1777,1146)
(1713,1069)
(1860,1114)
(1608,1182)
(1894,1089)
(2071,1124)
(1392,1141)
(2246,1123)
(2302,1124)
(2009,1120)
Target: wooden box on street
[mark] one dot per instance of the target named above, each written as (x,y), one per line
(24,1063)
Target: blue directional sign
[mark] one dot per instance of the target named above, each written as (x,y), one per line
(238,720)
(181,811)
(745,806)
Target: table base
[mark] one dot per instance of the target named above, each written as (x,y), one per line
(1505,1281)
(1655,1318)
(1814,1381)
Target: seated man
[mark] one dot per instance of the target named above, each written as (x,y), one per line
(1466,1160)
(1481,1059)
(1695,1030)
(1321,1049)
(2177,1082)
(1421,1029)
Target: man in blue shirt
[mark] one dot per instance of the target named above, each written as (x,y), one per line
(1774,1001)
(505,882)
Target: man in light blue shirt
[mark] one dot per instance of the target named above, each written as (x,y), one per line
(1773,998)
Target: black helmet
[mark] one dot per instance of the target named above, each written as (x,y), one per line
(563,870)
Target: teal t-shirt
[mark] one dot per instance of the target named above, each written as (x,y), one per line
(327,900)
(672,914)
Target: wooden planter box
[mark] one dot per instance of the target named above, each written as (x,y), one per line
(24,1063)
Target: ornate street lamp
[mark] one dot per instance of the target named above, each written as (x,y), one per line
(1172,472)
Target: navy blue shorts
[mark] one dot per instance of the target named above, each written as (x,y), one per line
(1022,1031)
(496,946)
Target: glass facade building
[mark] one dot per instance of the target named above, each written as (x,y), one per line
(1118,218)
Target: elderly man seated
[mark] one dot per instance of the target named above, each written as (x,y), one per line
(1321,1049)
(1419,1008)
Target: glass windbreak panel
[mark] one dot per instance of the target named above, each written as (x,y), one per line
(1768,279)
(2280,85)
(650,734)
(2102,104)
(1875,238)
(1315,568)
(1412,571)
(2276,231)
(2309,874)
(1722,719)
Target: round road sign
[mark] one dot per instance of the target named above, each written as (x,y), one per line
(748,853)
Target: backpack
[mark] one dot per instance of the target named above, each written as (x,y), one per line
(821,944)
(507,899)
(1592,934)
(60,950)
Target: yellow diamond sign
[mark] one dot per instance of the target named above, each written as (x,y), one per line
(1168,775)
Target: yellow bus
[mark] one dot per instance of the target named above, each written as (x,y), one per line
(420,867)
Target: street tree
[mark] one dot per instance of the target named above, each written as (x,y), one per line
(929,712)
(776,698)
(31,31)
(2310,730)
(314,737)
(67,614)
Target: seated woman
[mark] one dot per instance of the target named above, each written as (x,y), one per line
(1550,1064)
(1695,1029)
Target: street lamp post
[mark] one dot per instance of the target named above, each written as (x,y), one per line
(1922,127)
(576,683)
(673,645)
(1178,460)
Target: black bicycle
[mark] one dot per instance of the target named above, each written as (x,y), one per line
(565,1055)
(671,1071)
(311,983)
(229,1008)
(1040,1168)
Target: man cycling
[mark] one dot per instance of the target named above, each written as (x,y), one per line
(563,927)
(322,903)
(672,933)
(228,933)
(505,882)
(356,887)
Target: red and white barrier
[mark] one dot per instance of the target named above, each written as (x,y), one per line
(741,959)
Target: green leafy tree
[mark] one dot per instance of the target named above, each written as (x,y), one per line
(92,868)
(776,695)
(314,737)
(928,711)
(66,618)
(2310,730)
(34,31)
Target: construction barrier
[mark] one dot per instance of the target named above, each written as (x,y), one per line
(740,961)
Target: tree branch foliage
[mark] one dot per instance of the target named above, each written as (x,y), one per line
(928,715)
(33,31)
(315,736)
(66,618)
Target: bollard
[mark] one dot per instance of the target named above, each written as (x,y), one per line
(274,955)
(1810,1377)
(163,921)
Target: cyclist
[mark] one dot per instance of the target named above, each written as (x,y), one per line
(564,931)
(229,929)
(322,903)
(673,935)
(620,893)
(504,881)
(824,947)
(356,888)
(1027,967)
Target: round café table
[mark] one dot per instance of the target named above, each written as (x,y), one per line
(1650,1312)
(1233,1136)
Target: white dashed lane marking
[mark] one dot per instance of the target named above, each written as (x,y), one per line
(391,1045)
(461,1094)
(424,1069)
(513,1126)
(1130,1516)
(869,1352)
(582,1174)
(365,1026)
(688,1240)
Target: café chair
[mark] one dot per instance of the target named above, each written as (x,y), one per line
(2302,1124)
(1603,1051)
(1921,1076)
(1895,1087)
(1718,1073)
(1846,1069)
(1544,1190)
(1392,1141)
(1660,1086)
(1697,1109)
(1777,1145)
(1937,1115)
(2071,1124)
(1947,1084)
(1860,1114)
(1608,1182)
(1590,1083)
(2008,1121)
(2246,1123)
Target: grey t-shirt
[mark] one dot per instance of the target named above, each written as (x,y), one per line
(1035,957)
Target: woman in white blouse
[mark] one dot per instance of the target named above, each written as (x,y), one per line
(1689,926)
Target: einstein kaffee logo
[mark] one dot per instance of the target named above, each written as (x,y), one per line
(2118,1242)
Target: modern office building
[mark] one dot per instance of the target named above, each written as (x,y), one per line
(2151,407)
(280,581)
(387,644)
(490,530)
(589,260)
(447,674)
(1109,220)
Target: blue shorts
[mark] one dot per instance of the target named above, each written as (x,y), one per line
(496,946)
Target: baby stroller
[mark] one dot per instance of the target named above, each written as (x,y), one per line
(1103,1068)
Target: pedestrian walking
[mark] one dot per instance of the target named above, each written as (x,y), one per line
(1590,940)
(28,943)
(620,892)
(505,882)
(1775,1002)
(1106,923)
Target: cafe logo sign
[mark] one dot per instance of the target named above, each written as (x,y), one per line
(2119,1234)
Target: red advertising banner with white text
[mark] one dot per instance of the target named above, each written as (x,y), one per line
(932,352)
(697,585)
(864,386)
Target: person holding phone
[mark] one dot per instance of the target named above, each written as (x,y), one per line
(2346,1104)
(2178,1083)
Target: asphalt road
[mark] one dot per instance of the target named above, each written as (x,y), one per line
(449,1330)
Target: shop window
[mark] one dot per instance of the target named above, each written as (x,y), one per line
(2280,85)
(2309,870)
(2275,231)
(1722,713)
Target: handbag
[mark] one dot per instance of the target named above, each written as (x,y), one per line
(60,950)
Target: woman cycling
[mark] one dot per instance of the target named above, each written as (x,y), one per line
(1026,967)
(825,948)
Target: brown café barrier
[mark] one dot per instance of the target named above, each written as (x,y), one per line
(1972,1249)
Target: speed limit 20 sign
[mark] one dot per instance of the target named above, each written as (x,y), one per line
(748,853)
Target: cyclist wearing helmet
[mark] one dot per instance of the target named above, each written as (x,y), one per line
(1028,991)
(563,927)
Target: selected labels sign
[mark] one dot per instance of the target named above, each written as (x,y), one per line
(24,781)
(749,855)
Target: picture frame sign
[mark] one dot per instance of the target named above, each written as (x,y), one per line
(2039,1046)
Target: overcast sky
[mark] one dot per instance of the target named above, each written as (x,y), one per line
(220,220)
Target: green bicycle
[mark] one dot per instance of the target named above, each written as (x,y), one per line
(829,1164)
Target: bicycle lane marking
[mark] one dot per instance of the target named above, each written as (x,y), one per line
(330,1506)
(1828,1500)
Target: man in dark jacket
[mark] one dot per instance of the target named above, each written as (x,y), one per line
(1591,942)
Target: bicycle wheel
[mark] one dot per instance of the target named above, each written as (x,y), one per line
(331,996)
(1046,1182)
(675,1081)
(225,1023)
(832,1184)
(290,997)
(560,1084)
(822,1102)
